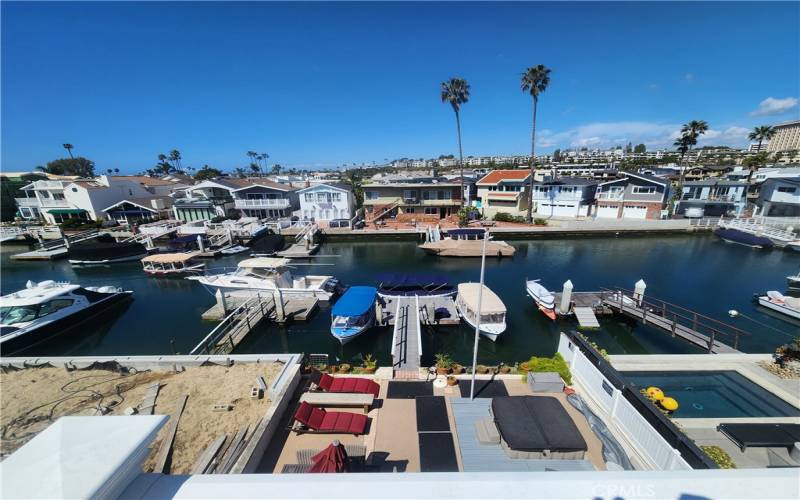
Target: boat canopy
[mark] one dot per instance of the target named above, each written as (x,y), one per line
(169,258)
(490,302)
(264,262)
(356,301)
(191,238)
(457,233)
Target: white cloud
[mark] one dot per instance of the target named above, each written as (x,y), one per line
(653,135)
(771,106)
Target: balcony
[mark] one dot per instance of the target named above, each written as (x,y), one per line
(275,203)
(53,203)
(27,202)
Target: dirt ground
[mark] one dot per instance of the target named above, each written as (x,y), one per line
(33,398)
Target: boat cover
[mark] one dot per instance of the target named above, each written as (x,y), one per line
(536,423)
(168,258)
(761,435)
(744,238)
(791,302)
(490,302)
(264,262)
(356,301)
(466,232)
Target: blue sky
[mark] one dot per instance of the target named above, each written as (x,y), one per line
(321,84)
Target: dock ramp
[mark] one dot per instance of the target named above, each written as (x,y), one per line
(407,335)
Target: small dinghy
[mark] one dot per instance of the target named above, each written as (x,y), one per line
(544,298)
(793,281)
(233,250)
(783,304)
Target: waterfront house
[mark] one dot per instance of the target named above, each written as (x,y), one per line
(713,197)
(265,199)
(780,197)
(225,197)
(564,197)
(205,200)
(633,196)
(504,191)
(419,199)
(325,202)
(143,209)
(11,184)
(58,200)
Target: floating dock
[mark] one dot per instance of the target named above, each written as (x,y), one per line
(586,318)
(43,254)
(428,307)
(407,336)
(299,251)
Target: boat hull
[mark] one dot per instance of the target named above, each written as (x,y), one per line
(82,262)
(543,299)
(61,326)
(345,335)
(781,308)
(742,238)
(467,248)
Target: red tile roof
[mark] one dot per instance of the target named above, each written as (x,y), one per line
(496,176)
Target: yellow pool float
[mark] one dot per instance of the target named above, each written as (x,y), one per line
(669,404)
(655,393)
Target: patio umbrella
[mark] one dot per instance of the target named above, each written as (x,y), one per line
(331,459)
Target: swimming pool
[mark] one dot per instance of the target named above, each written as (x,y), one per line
(709,394)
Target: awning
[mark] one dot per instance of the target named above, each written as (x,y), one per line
(66,211)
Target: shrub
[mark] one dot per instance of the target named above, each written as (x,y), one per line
(444,361)
(344,368)
(482,369)
(73,224)
(718,455)
(554,364)
(369,362)
(540,222)
(595,346)
(467,214)
(504,217)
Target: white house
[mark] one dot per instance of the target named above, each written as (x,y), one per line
(712,198)
(564,197)
(780,197)
(325,202)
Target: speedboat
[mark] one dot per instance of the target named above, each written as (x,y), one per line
(467,243)
(104,249)
(354,313)
(545,300)
(170,264)
(43,310)
(266,275)
(783,304)
(793,281)
(492,316)
(396,285)
(743,238)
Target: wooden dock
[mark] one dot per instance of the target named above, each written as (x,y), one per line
(586,318)
(299,251)
(42,254)
(406,336)
(428,306)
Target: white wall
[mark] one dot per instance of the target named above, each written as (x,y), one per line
(342,209)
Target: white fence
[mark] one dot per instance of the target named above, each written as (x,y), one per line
(618,413)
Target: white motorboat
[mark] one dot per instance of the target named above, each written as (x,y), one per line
(234,250)
(170,264)
(793,281)
(783,304)
(544,298)
(493,311)
(265,275)
(44,310)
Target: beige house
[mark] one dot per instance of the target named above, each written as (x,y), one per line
(504,191)
(420,199)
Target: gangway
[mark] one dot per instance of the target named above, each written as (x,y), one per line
(407,335)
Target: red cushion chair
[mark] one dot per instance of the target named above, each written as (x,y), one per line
(320,420)
(348,384)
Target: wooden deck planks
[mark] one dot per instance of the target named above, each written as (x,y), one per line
(166,444)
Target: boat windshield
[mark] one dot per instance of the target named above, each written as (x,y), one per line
(21,314)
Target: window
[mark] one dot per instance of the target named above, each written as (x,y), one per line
(444,195)
(74,190)
(409,210)
(309,197)
(336,196)
(644,189)
(431,211)
(786,189)
(566,189)
(371,195)
(426,195)
(58,196)
(409,194)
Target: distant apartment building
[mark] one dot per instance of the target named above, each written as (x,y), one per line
(786,138)
(504,191)
(633,196)
(428,198)
(755,148)
(564,197)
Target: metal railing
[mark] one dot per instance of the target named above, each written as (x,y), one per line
(261,203)
(613,196)
(674,315)
(229,332)
(396,351)
(27,202)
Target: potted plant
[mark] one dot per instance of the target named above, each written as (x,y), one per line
(332,368)
(504,368)
(344,368)
(451,380)
(443,364)
(482,369)
(457,369)
(370,364)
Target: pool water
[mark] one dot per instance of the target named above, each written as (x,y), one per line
(710,394)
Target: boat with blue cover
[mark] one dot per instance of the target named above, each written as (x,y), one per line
(396,285)
(353,313)
(743,238)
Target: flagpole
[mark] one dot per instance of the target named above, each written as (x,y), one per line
(478,320)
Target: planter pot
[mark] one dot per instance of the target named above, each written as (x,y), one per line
(504,369)
(452,381)
(369,369)
(442,371)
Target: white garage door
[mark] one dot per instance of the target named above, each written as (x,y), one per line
(634,212)
(557,209)
(607,211)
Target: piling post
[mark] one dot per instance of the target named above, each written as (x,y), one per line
(200,243)
(220,296)
(566,297)
(279,312)
(638,292)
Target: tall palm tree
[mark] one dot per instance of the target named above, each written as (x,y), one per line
(253,161)
(761,133)
(535,81)
(690,132)
(456,92)
(175,158)
(68,147)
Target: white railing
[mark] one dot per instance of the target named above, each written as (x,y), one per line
(48,185)
(27,202)
(620,415)
(50,202)
(419,331)
(395,334)
(611,196)
(262,203)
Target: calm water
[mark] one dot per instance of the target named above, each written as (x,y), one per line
(698,272)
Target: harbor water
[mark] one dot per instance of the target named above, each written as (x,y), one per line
(701,273)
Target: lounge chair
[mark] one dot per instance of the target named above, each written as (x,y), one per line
(761,435)
(319,421)
(347,384)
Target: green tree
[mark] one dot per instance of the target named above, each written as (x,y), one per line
(276,169)
(761,133)
(456,92)
(68,147)
(254,166)
(175,158)
(690,132)
(353,179)
(640,148)
(755,162)
(535,81)
(207,173)
(79,166)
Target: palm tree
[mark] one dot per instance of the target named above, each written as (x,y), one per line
(690,132)
(761,133)
(253,159)
(535,81)
(175,158)
(456,92)
(116,170)
(68,147)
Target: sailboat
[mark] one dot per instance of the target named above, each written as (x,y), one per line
(544,298)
